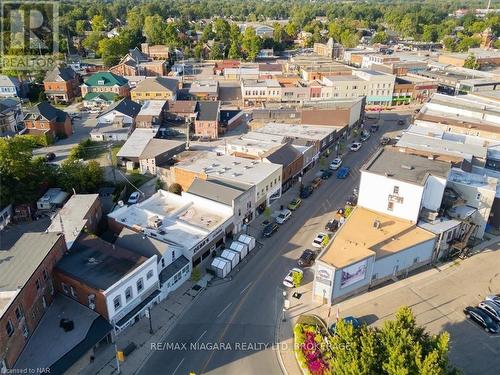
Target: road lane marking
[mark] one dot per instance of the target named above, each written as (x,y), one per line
(245,288)
(179,365)
(199,338)
(227,307)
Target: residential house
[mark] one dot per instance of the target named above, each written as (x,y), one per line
(157,88)
(45,119)
(136,63)
(26,290)
(131,150)
(103,88)
(62,85)
(11,116)
(116,283)
(80,214)
(10,87)
(156,52)
(206,124)
(117,122)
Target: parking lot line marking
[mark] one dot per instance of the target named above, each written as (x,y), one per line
(227,307)
(179,365)
(245,288)
(199,338)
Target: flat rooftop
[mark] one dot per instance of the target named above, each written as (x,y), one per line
(260,83)
(473,179)
(351,244)
(184,220)
(152,108)
(309,132)
(227,167)
(204,86)
(136,143)
(98,263)
(406,166)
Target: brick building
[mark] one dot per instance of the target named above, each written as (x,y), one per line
(62,85)
(206,123)
(26,290)
(45,119)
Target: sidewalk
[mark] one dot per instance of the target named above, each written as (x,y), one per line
(164,317)
(285,353)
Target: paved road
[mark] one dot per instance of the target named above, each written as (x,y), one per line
(81,130)
(244,311)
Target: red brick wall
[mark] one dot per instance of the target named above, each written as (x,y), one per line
(206,129)
(30,300)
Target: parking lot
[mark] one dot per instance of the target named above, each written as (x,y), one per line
(438,299)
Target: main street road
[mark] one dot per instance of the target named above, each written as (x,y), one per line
(244,311)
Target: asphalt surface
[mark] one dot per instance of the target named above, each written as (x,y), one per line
(231,328)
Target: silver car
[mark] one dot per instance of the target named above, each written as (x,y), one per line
(491,308)
(495,298)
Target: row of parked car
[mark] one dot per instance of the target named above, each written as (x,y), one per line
(486,314)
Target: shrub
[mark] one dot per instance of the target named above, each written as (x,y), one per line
(175,188)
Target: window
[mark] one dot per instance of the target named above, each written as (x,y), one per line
(9,328)
(163,263)
(140,285)
(45,275)
(19,313)
(396,190)
(25,330)
(117,303)
(128,294)
(149,274)
(173,255)
(37,284)
(390,206)
(73,292)
(65,288)
(478,196)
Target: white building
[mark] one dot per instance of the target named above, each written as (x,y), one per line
(260,90)
(116,123)
(402,184)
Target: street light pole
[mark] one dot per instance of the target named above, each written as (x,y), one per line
(148,314)
(284,306)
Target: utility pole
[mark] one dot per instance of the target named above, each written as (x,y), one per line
(110,155)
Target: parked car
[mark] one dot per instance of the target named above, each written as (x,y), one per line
(294,204)
(269,230)
(495,298)
(355,146)
(288,280)
(343,172)
(491,308)
(49,156)
(306,191)
(335,164)
(316,182)
(364,136)
(283,216)
(326,174)
(385,141)
(349,320)
(374,128)
(307,258)
(320,240)
(134,197)
(332,225)
(481,318)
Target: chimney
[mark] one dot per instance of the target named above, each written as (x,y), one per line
(376,224)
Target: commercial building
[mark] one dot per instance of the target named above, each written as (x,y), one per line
(483,57)
(207,122)
(204,90)
(81,213)
(369,248)
(186,225)
(152,114)
(26,290)
(266,177)
(329,49)
(103,88)
(116,283)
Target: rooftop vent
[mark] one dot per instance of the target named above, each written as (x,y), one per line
(376,224)
(405,166)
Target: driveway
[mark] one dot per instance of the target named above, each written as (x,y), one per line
(81,130)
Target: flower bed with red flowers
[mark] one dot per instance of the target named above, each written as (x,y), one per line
(311,349)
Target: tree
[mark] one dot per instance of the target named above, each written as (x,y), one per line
(430,33)
(222,31)
(81,26)
(154,29)
(208,33)
(217,51)
(250,44)
(234,51)
(98,23)
(380,37)
(175,188)
(91,42)
(471,62)
(297,278)
(399,347)
(84,177)
(450,44)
